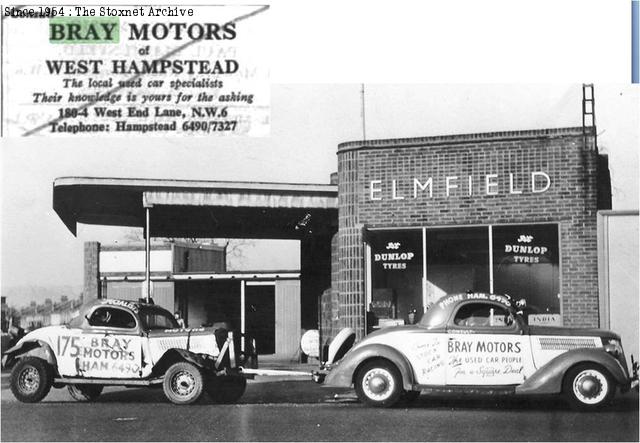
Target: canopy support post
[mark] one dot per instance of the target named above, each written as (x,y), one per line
(147,253)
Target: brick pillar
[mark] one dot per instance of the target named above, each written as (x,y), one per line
(330,314)
(350,249)
(334,309)
(91,289)
(579,242)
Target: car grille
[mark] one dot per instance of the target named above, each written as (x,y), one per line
(567,343)
(173,342)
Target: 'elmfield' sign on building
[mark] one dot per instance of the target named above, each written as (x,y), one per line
(459,186)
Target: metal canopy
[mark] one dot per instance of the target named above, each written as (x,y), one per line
(187,208)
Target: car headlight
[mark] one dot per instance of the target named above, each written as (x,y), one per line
(612,346)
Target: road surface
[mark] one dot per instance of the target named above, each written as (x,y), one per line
(303,411)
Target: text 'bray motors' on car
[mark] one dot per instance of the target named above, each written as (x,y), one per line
(117,342)
(479,343)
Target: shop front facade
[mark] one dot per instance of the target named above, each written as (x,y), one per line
(511,213)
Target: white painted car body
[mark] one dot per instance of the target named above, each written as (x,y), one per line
(478,342)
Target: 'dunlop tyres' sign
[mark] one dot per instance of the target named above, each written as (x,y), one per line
(393,257)
(135,70)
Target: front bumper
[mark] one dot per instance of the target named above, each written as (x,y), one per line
(634,375)
(319,376)
(323,371)
(632,382)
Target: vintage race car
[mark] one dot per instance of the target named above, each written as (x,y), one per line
(479,343)
(117,342)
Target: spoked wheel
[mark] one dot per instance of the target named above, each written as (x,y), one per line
(31,379)
(85,392)
(226,389)
(378,383)
(183,383)
(588,387)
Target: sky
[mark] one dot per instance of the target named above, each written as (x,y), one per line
(422,76)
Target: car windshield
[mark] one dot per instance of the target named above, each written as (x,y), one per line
(435,316)
(153,317)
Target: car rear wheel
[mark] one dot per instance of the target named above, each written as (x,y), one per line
(183,383)
(31,379)
(588,387)
(85,392)
(226,389)
(379,383)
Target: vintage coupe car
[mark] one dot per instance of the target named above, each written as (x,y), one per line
(118,342)
(479,343)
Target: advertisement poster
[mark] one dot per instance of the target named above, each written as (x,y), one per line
(272,176)
(123,70)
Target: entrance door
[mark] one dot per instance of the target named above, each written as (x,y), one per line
(260,317)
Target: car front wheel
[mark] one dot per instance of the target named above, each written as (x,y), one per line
(85,392)
(588,387)
(379,383)
(183,383)
(31,379)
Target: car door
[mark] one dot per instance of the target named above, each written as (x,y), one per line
(486,346)
(426,351)
(108,345)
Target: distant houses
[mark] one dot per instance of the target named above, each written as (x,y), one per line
(48,313)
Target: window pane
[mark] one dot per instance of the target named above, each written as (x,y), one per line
(526,266)
(112,318)
(396,268)
(476,315)
(154,318)
(457,261)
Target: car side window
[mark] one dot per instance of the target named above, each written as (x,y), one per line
(112,318)
(482,315)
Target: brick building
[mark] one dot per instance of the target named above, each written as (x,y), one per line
(505,212)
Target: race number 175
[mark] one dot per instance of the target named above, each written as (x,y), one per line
(68,344)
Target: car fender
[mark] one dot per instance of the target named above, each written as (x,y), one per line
(342,375)
(175,355)
(548,379)
(31,348)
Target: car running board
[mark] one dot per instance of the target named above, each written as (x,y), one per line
(472,390)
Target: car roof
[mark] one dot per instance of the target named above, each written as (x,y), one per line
(451,300)
(133,307)
(440,311)
(130,305)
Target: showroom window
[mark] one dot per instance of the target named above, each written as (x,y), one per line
(457,261)
(526,265)
(408,269)
(396,270)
